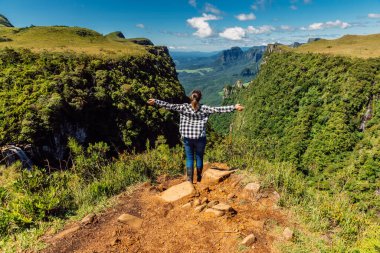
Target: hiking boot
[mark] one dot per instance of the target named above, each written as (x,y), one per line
(190,173)
(199,174)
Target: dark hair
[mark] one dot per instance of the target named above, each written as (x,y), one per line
(195,97)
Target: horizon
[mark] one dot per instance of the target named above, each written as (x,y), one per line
(205,26)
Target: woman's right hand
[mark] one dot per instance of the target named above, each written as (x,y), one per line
(239,107)
(151,101)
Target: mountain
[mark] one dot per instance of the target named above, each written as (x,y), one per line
(63,82)
(212,73)
(4,22)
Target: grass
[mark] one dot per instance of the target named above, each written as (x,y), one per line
(361,46)
(67,39)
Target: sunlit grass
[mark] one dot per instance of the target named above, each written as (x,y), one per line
(362,46)
(67,39)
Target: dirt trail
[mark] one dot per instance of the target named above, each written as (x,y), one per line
(169,227)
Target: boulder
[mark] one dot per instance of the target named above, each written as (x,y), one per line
(288,234)
(248,240)
(212,203)
(215,212)
(251,189)
(88,219)
(177,192)
(223,207)
(130,220)
(68,231)
(187,205)
(200,208)
(196,202)
(216,176)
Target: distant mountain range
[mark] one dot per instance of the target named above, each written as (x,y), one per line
(212,71)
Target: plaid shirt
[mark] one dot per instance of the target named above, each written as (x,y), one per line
(193,123)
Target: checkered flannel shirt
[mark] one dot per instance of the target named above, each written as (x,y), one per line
(192,123)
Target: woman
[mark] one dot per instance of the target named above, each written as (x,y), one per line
(192,127)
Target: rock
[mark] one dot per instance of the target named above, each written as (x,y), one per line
(212,203)
(115,241)
(196,202)
(204,200)
(130,220)
(165,209)
(215,212)
(276,196)
(67,232)
(187,205)
(248,240)
(88,219)
(216,176)
(177,192)
(200,208)
(220,166)
(231,196)
(223,207)
(288,234)
(251,189)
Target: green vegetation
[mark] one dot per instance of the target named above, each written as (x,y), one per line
(47,97)
(31,202)
(362,46)
(70,39)
(302,132)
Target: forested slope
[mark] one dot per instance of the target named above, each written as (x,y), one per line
(46,97)
(320,115)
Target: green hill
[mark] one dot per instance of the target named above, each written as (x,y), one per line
(4,22)
(362,46)
(311,128)
(62,82)
(69,39)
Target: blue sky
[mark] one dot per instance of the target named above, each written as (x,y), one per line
(197,25)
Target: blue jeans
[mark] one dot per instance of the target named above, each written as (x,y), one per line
(196,146)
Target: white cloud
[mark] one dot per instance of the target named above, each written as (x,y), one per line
(374,15)
(203,28)
(142,26)
(211,8)
(286,28)
(233,33)
(193,3)
(260,4)
(293,7)
(177,47)
(245,17)
(261,29)
(326,25)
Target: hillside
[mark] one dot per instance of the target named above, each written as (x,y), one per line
(4,22)
(212,73)
(320,114)
(69,39)
(361,46)
(61,82)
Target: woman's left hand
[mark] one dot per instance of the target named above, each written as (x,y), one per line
(151,101)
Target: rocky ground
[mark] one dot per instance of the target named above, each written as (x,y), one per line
(221,214)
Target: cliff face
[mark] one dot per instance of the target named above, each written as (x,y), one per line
(48,97)
(236,55)
(318,112)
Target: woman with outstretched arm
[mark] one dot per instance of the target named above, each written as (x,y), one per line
(192,127)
